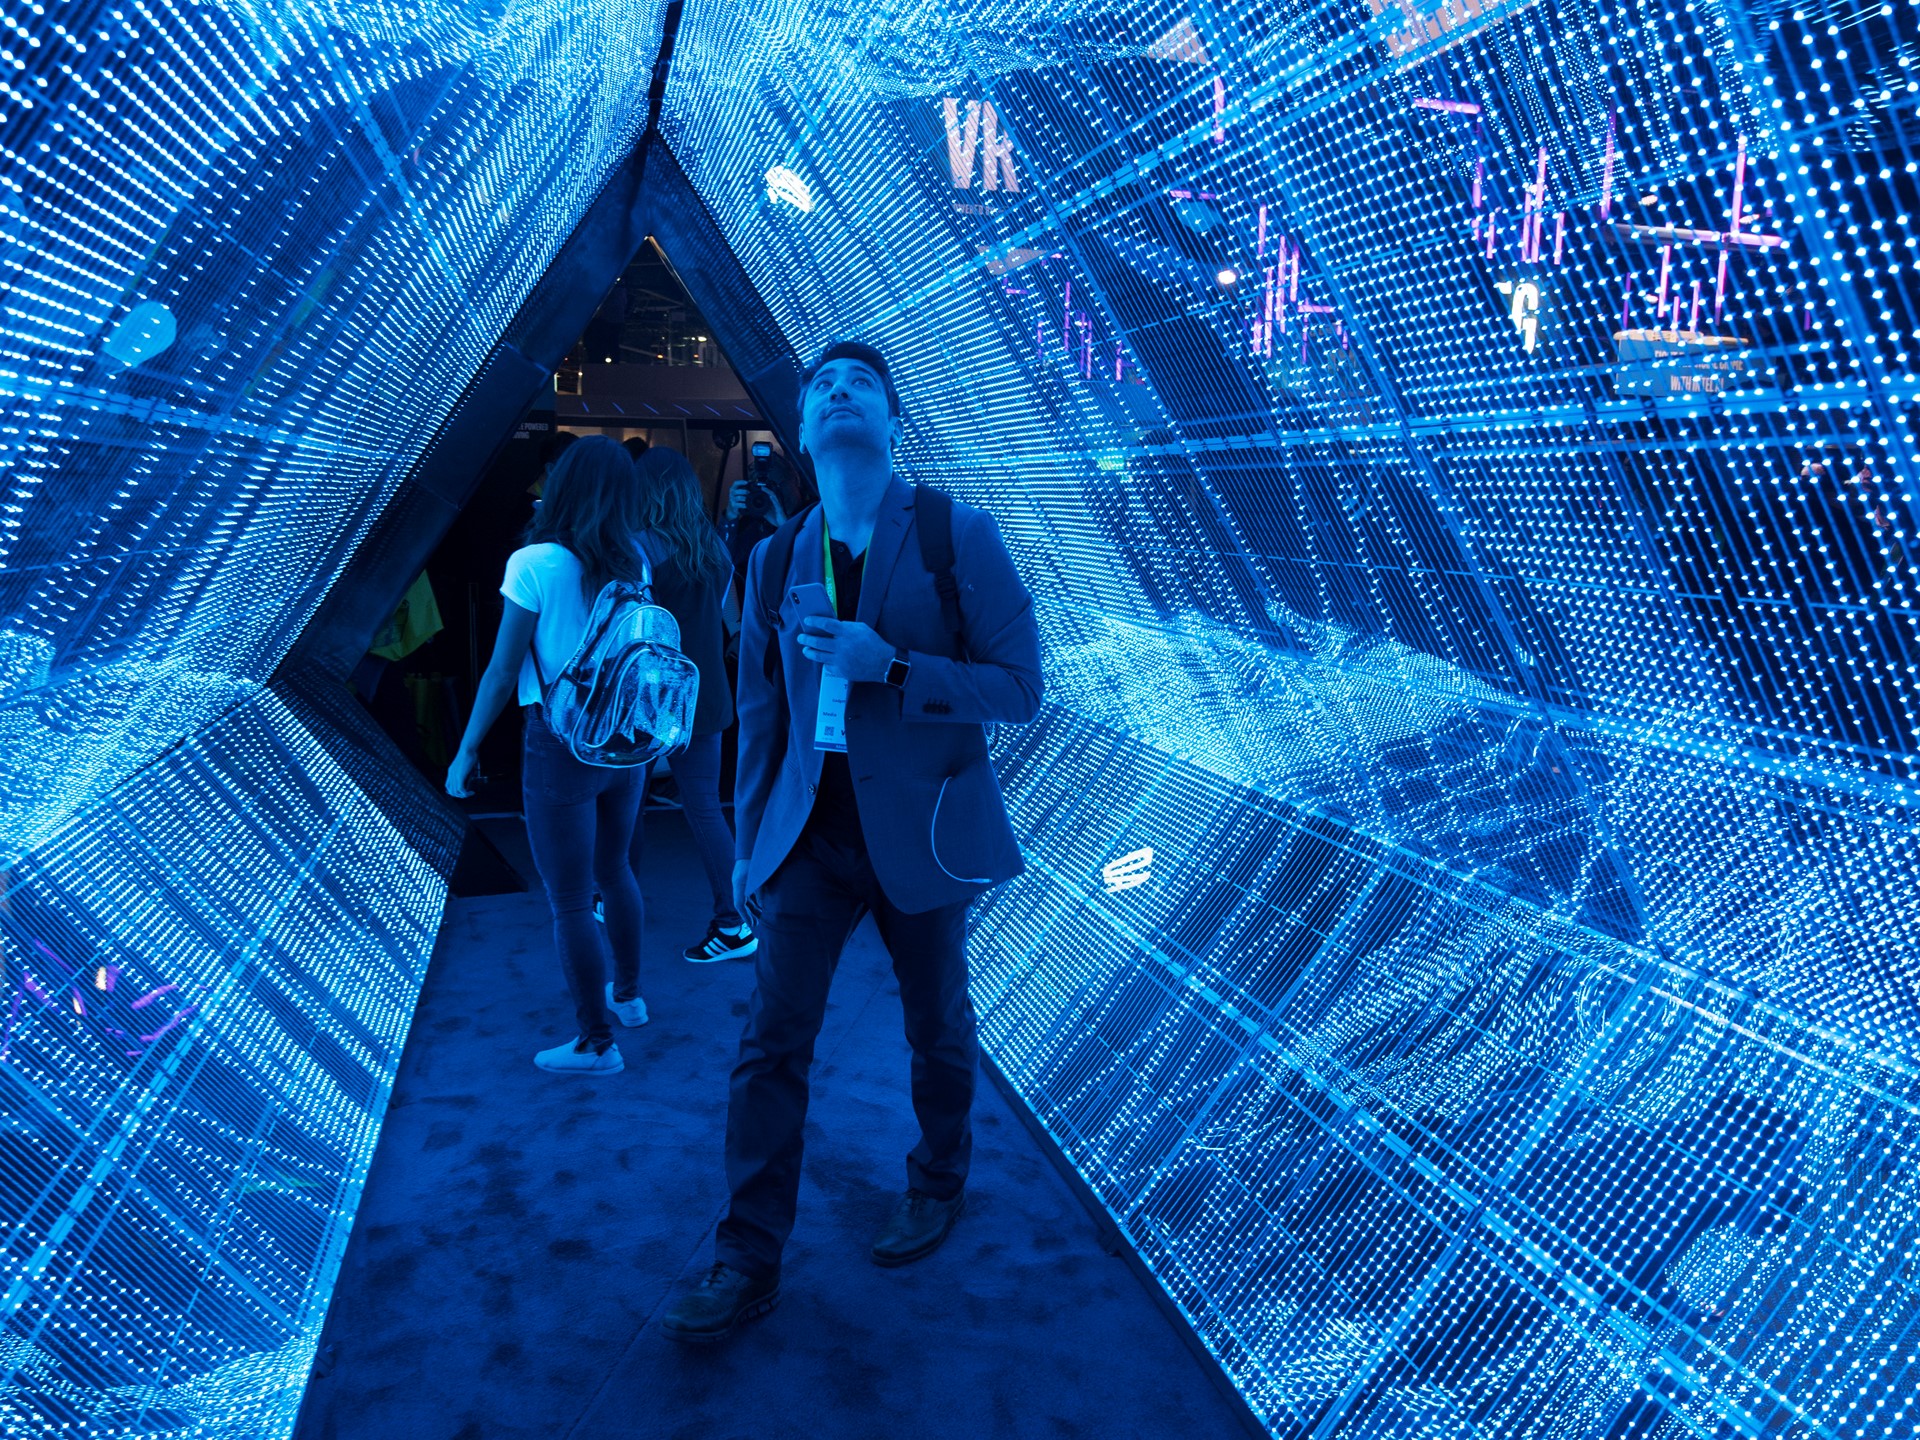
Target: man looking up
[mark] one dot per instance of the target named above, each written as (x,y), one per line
(864,786)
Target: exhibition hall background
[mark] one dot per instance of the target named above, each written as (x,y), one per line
(1463,457)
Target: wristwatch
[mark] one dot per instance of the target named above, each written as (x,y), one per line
(898,669)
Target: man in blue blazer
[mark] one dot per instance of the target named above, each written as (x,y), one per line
(863,786)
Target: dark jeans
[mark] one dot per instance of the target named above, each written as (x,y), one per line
(696,770)
(579,822)
(807,912)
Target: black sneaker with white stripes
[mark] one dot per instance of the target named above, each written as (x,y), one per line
(723,944)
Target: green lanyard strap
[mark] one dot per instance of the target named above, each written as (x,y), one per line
(826,557)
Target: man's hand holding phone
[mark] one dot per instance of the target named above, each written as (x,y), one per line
(846,647)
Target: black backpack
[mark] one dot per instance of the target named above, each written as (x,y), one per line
(933,512)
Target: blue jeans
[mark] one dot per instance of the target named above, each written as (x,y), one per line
(696,770)
(580,820)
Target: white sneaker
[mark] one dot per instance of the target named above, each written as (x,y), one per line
(630,1013)
(573,1058)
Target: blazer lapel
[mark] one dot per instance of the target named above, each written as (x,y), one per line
(890,528)
(806,568)
(802,675)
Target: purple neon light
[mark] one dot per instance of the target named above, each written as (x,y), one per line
(1606,180)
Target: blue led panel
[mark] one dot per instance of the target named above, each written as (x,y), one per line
(250,255)
(210,978)
(1464,457)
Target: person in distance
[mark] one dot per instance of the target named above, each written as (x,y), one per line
(691,572)
(864,786)
(758,503)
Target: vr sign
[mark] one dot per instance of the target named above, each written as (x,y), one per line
(975,133)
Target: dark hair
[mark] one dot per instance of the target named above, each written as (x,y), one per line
(591,505)
(556,444)
(866,355)
(635,446)
(670,506)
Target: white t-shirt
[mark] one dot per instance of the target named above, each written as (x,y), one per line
(546,580)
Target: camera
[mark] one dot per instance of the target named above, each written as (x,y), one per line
(759,500)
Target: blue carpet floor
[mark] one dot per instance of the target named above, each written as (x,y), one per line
(521,1231)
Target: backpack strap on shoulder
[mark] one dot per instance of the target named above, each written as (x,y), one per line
(933,513)
(774,570)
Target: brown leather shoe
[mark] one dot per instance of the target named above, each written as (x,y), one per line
(919,1224)
(718,1304)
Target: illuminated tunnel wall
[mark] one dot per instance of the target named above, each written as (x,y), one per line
(251,256)
(1464,458)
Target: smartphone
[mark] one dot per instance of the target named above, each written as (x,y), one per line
(811,599)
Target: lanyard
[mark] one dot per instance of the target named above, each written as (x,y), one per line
(826,557)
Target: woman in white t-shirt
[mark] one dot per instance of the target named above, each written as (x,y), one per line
(580,817)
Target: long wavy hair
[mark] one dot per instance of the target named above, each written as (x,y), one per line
(591,505)
(670,506)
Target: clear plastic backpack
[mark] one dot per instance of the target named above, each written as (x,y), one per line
(627,695)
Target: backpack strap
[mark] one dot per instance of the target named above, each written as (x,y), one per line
(648,544)
(646,598)
(933,512)
(774,570)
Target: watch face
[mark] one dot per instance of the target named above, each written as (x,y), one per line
(897,672)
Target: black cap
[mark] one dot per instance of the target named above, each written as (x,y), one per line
(866,355)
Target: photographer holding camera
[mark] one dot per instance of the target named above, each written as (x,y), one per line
(759,503)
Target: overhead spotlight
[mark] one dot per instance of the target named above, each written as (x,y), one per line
(1228,276)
